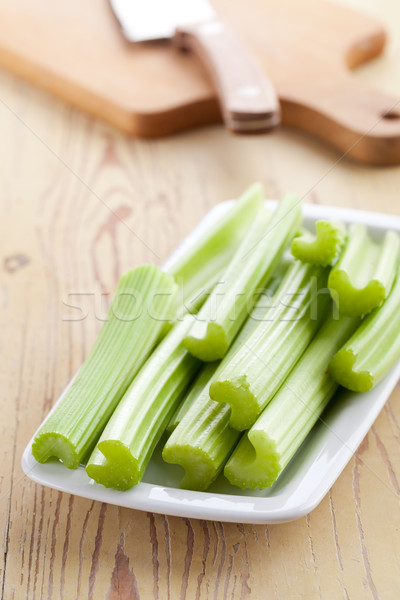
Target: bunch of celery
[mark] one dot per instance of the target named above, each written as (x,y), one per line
(274,346)
(261,375)
(145,300)
(205,436)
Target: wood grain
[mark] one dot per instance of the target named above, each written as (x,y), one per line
(81,203)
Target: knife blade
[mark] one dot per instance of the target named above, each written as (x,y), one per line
(247,97)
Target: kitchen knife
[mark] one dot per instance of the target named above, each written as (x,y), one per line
(247,98)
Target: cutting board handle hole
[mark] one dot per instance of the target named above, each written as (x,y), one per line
(391,115)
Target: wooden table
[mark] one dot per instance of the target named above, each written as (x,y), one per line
(80,204)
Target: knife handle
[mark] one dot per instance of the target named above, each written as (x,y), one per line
(247,97)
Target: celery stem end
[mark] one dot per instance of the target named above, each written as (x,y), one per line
(47,444)
(342,370)
(199,469)
(255,462)
(114,466)
(209,344)
(237,393)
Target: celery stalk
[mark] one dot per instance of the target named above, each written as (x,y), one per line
(129,438)
(102,380)
(266,449)
(254,374)
(200,265)
(373,349)
(145,299)
(202,380)
(203,439)
(324,247)
(193,447)
(363,276)
(228,306)
(210,368)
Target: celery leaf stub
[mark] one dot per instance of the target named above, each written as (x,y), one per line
(364,273)
(144,301)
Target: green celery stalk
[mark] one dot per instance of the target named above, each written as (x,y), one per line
(324,247)
(201,381)
(129,438)
(201,264)
(228,306)
(99,386)
(266,449)
(373,349)
(251,378)
(201,442)
(203,439)
(205,376)
(145,299)
(363,276)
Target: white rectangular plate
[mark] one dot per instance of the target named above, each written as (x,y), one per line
(304,482)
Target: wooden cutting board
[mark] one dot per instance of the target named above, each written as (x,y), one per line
(75,49)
